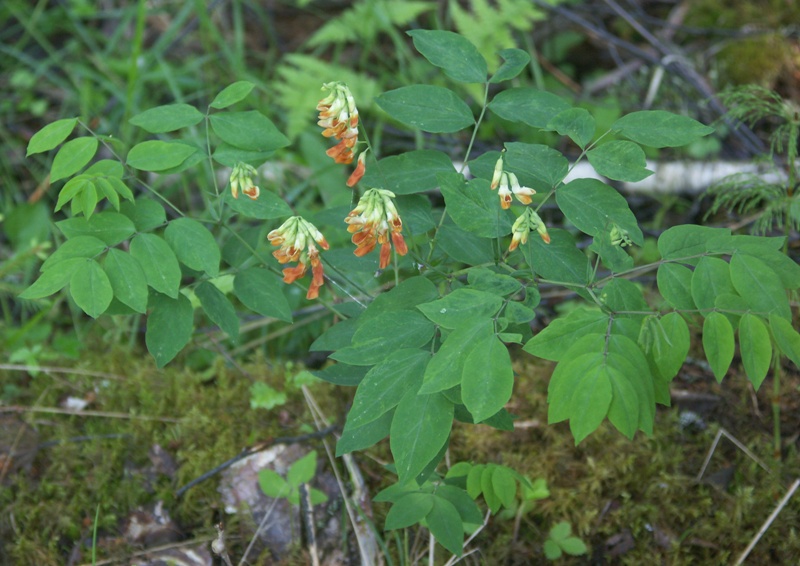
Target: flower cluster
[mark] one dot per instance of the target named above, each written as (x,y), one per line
(620,237)
(339,116)
(373,221)
(508,184)
(242,178)
(293,237)
(527,222)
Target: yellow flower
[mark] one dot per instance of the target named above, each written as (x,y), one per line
(338,116)
(524,225)
(293,237)
(242,178)
(507,184)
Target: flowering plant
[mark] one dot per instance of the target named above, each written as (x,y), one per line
(434,348)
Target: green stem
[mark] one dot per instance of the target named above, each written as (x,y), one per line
(776,406)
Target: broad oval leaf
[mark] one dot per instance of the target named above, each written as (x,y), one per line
(251,131)
(157,155)
(72,157)
(619,160)
(755,348)
(463,306)
(408,173)
(80,246)
(408,510)
(786,337)
(658,128)
(675,285)
(127,279)
(90,288)
(559,261)
(536,162)
(528,105)
(576,123)
(718,343)
(169,327)
(167,118)
(232,94)
(594,207)
(514,61)
(474,207)
(158,262)
(487,380)
(261,291)
(109,227)
(688,242)
(671,345)
(50,136)
(445,525)
(453,53)
(267,206)
(194,246)
(446,369)
(386,332)
(711,278)
(430,108)
(760,287)
(53,280)
(362,437)
(145,213)
(218,308)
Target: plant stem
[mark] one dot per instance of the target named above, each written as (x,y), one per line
(776,406)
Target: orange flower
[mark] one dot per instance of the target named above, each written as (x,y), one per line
(338,116)
(375,221)
(293,237)
(508,184)
(524,224)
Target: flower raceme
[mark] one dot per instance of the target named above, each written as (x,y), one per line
(339,116)
(375,221)
(242,178)
(527,222)
(293,237)
(507,184)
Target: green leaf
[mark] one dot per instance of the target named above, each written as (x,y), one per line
(463,246)
(527,105)
(488,379)
(272,484)
(451,52)
(405,296)
(446,368)
(462,307)
(621,295)
(410,172)
(688,242)
(718,343)
(194,246)
(362,437)
(445,525)
(169,327)
(552,550)
(106,189)
(50,136)
(755,348)
(492,500)
(504,486)
(251,131)
(594,208)
(559,261)
(430,108)
(474,483)
(266,207)
(158,262)
(127,279)
(536,162)
(261,291)
(483,279)
(219,309)
(675,285)
(467,508)
(658,128)
(146,214)
(408,510)
(80,246)
(514,61)
(671,345)
(72,189)
(576,123)
(711,278)
(385,384)
(338,336)
(786,337)
(157,155)
(167,118)
(53,280)
(109,227)
(72,157)
(557,338)
(384,333)
(90,288)
(342,374)
(573,546)
(86,202)
(232,94)
(760,287)
(420,428)
(302,470)
(474,207)
(619,160)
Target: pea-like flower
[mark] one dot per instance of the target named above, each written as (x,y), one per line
(293,237)
(375,221)
(527,222)
(242,178)
(339,116)
(620,237)
(507,184)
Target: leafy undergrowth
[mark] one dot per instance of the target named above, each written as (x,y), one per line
(632,502)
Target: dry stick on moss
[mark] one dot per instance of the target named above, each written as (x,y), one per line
(153,550)
(720,433)
(85,413)
(261,526)
(307,513)
(50,369)
(768,522)
(260,447)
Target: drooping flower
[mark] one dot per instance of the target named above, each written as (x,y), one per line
(293,237)
(242,178)
(339,116)
(619,237)
(524,225)
(359,171)
(507,184)
(375,221)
